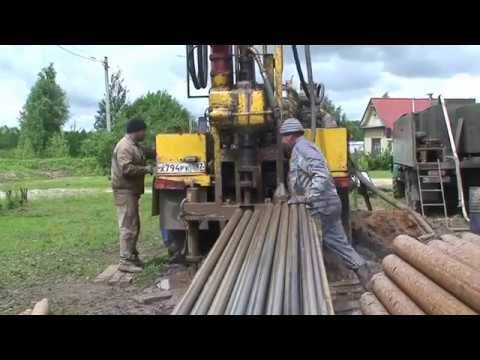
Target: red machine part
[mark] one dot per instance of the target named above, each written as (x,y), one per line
(163,184)
(222,68)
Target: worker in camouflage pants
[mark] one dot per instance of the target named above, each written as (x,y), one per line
(129,168)
(311,183)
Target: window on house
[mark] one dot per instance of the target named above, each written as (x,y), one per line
(376,146)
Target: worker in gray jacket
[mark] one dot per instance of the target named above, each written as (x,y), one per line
(311,183)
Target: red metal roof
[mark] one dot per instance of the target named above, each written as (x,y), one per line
(390,109)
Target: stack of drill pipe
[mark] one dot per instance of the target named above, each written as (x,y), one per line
(441,278)
(267,261)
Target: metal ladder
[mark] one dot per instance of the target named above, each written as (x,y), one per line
(422,190)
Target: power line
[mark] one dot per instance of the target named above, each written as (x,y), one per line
(91,58)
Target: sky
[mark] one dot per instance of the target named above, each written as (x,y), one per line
(352,74)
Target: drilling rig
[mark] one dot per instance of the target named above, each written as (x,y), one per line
(235,160)
(236,157)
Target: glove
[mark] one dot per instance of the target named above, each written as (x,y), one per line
(296,200)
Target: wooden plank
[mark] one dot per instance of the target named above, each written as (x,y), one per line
(106,274)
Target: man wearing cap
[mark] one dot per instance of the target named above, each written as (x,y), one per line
(129,168)
(311,183)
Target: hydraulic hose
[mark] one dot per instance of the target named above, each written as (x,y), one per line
(199,76)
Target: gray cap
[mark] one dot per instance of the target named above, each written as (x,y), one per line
(291,125)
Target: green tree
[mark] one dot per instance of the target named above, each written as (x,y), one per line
(57,146)
(100,145)
(75,141)
(9,137)
(24,149)
(161,112)
(45,111)
(335,111)
(354,130)
(118,100)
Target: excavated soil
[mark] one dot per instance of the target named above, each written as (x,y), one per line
(373,232)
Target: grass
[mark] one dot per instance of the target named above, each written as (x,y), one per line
(12,170)
(69,182)
(380,174)
(71,236)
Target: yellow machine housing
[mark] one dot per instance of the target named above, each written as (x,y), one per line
(237,107)
(334,145)
(176,149)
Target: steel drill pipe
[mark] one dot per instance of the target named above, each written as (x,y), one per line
(240,305)
(454,276)
(459,253)
(370,305)
(471,237)
(392,297)
(224,292)
(308,285)
(240,281)
(430,297)
(218,273)
(262,280)
(327,298)
(464,250)
(291,305)
(277,285)
(188,300)
(323,290)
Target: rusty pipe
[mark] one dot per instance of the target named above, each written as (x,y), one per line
(370,305)
(201,277)
(394,299)
(433,299)
(464,250)
(454,276)
(471,238)
(461,252)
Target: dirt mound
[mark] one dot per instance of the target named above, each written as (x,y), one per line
(374,231)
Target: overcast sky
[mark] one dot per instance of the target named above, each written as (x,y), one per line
(352,74)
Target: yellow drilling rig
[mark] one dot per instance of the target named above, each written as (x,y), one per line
(235,158)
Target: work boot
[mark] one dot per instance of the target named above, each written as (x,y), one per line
(129,267)
(138,262)
(365,273)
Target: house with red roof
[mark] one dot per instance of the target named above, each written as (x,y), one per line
(380,116)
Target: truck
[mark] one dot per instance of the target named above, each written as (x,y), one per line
(436,157)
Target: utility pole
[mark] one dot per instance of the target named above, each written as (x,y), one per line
(107,96)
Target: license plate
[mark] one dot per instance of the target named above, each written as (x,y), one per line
(180,168)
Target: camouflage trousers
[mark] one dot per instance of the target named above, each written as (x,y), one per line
(128,223)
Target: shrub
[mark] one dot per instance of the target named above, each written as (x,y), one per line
(99,145)
(382,161)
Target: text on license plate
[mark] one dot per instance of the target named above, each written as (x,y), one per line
(174,168)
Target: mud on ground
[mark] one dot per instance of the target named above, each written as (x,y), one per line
(76,297)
